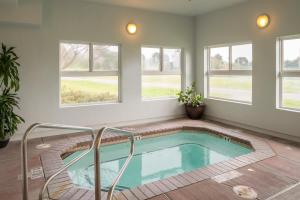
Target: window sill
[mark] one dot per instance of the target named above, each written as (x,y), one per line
(159,99)
(230,101)
(90,104)
(294,110)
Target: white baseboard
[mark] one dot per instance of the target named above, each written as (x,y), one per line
(48,132)
(255,129)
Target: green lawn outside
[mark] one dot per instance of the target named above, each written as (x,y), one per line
(156,92)
(290,103)
(231,88)
(291,93)
(170,79)
(106,89)
(291,85)
(160,86)
(70,94)
(241,83)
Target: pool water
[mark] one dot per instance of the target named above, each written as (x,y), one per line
(154,159)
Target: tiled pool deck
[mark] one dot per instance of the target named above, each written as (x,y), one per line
(190,185)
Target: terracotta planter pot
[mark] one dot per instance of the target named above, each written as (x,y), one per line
(194,112)
(3,143)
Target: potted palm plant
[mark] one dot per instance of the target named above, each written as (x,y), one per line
(193,102)
(9,101)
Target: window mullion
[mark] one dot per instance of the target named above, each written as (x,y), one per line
(281,57)
(161,59)
(230,73)
(230,58)
(91,57)
(280,75)
(208,60)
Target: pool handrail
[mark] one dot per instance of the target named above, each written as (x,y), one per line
(95,146)
(24,158)
(97,163)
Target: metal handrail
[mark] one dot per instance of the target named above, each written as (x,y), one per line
(24,164)
(75,160)
(97,163)
(95,146)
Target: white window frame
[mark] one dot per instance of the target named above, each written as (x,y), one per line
(209,72)
(90,73)
(281,73)
(161,70)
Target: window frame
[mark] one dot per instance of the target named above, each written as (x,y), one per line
(90,72)
(282,73)
(161,70)
(208,72)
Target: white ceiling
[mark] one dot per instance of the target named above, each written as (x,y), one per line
(182,7)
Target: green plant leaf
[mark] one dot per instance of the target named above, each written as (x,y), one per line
(9,76)
(9,84)
(190,97)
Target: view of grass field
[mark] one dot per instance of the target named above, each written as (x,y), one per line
(240,88)
(291,93)
(231,87)
(157,86)
(105,89)
(89,90)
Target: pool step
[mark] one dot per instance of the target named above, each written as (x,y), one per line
(138,137)
(82,194)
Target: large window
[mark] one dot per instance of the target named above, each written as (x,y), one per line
(161,72)
(289,73)
(229,72)
(89,73)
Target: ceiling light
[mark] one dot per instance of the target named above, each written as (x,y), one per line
(131,28)
(263,21)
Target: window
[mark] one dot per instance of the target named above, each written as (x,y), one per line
(161,72)
(89,73)
(289,73)
(229,72)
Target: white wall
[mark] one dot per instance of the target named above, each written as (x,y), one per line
(237,24)
(27,12)
(71,20)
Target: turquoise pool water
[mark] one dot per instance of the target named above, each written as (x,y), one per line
(154,159)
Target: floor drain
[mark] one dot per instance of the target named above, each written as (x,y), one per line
(43,146)
(34,173)
(245,192)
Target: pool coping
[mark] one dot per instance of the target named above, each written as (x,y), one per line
(61,187)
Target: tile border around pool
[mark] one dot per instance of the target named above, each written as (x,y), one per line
(62,188)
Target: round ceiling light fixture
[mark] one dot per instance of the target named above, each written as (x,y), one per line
(263,21)
(131,28)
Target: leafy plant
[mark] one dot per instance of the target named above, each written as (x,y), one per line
(9,74)
(9,85)
(9,119)
(190,97)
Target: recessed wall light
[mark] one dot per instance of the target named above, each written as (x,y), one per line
(263,21)
(131,28)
